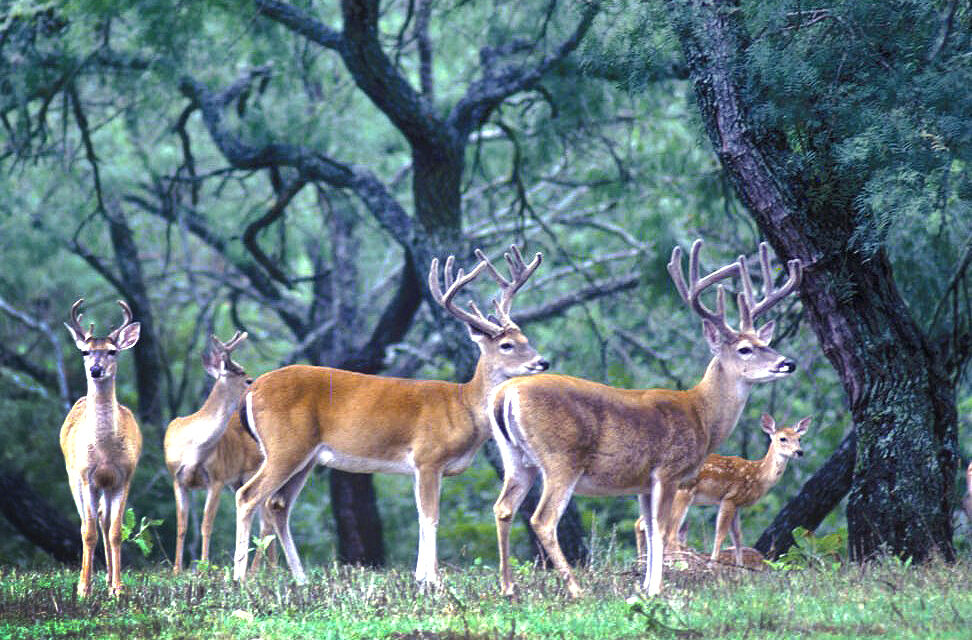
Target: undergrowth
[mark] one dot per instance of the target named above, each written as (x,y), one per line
(887,599)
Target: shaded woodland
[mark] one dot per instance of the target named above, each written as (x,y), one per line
(291,168)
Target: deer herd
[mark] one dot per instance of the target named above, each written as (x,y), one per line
(263,436)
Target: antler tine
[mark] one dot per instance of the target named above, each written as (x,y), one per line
(520,272)
(771,295)
(745,298)
(477,319)
(496,275)
(127,311)
(126,320)
(76,320)
(765,267)
(691,293)
(675,271)
(236,340)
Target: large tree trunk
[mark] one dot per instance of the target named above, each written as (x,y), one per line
(359,532)
(150,375)
(901,399)
(39,522)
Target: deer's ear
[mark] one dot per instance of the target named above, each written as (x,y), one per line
(79,340)
(801,427)
(713,336)
(128,336)
(211,363)
(768,424)
(476,335)
(765,333)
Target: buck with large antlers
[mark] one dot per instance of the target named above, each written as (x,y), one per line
(304,415)
(593,439)
(732,483)
(211,449)
(101,443)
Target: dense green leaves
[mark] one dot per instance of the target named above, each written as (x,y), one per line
(600,165)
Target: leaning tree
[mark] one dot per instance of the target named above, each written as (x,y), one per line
(844,130)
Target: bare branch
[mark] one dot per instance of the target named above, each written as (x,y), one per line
(598,289)
(496,85)
(311,164)
(38,373)
(422,16)
(302,23)
(271,216)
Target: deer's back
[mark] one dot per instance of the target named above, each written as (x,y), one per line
(618,437)
(728,478)
(358,415)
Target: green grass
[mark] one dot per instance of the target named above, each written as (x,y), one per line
(887,599)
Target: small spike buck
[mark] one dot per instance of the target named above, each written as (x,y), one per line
(211,449)
(732,483)
(305,415)
(101,443)
(588,438)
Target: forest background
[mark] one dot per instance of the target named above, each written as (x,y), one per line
(290,169)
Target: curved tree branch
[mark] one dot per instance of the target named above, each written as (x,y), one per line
(301,23)
(496,85)
(312,165)
(41,374)
(277,210)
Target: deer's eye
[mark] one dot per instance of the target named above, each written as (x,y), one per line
(506,347)
(782,439)
(86,353)
(745,351)
(112,352)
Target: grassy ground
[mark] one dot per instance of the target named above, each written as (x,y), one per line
(887,599)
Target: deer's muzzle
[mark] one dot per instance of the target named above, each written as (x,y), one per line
(785,366)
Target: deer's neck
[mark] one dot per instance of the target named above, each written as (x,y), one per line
(722,398)
(772,467)
(475,393)
(101,408)
(220,403)
(215,415)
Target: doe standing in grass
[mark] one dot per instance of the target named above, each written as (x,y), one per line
(101,443)
(210,448)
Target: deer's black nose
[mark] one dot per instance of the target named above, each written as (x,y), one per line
(543,365)
(97,371)
(799,453)
(786,366)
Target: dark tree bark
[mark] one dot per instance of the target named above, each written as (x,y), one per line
(359,532)
(39,522)
(899,392)
(149,370)
(818,497)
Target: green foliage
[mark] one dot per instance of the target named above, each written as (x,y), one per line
(261,545)
(140,538)
(658,618)
(809,551)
